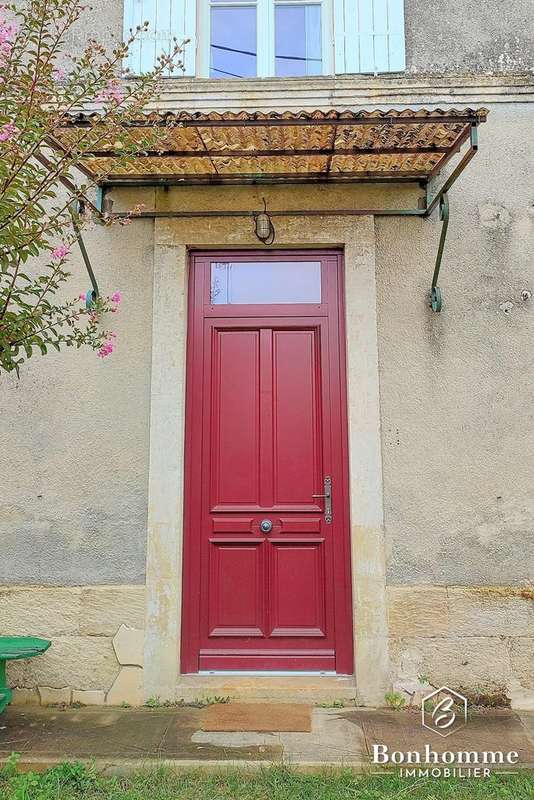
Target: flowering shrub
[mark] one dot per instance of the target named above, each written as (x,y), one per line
(40,85)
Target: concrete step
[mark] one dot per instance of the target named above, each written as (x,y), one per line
(276,688)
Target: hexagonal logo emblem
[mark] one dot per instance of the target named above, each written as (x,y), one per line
(444,711)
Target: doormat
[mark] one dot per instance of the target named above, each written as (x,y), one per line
(258,717)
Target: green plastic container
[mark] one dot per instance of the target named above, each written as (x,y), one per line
(13,648)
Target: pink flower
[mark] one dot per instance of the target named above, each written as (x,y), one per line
(107,348)
(83,297)
(8,31)
(59,74)
(7,131)
(116,297)
(60,252)
(112,93)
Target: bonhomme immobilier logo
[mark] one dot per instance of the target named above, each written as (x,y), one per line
(444,712)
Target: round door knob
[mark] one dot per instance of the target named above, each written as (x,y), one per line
(266,525)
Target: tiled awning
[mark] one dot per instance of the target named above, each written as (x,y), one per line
(244,147)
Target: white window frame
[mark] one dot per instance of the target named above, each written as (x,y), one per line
(359,37)
(265,59)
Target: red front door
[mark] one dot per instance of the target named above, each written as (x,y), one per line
(266,560)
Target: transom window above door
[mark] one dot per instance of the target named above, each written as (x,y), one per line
(265,282)
(271,38)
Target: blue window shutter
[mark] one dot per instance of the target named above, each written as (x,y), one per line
(372,33)
(167,19)
(396,43)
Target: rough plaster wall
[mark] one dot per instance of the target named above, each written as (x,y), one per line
(74,438)
(456,388)
(464,38)
(101,20)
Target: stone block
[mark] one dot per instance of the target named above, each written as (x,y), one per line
(128,644)
(51,696)
(37,611)
(522,660)
(104,609)
(521,699)
(127,688)
(25,697)
(473,662)
(418,611)
(86,662)
(489,611)
(89,697)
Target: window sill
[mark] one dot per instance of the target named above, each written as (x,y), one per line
(293,79)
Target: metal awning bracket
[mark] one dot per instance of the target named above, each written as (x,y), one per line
(76,208)
(104,206)
(436,300)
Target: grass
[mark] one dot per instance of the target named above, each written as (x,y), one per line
(395,700)
(74,781)
(198,702)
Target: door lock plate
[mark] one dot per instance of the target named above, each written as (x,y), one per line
(327,497)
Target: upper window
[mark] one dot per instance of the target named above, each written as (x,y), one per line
(244,39)
(233,35)
(298,47)
(272,38)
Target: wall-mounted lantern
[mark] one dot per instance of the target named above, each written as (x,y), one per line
(263,225)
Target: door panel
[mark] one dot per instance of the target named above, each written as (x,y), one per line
(266,574)
(296,416)
(235,605)
(298,587)
(235,431)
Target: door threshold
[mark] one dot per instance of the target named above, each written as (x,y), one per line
(268,673)
(266,686)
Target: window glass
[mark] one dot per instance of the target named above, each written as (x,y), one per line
(233,40)
(297,39)
(253,282)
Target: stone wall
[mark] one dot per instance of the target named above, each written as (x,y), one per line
(479,639)
(97,643)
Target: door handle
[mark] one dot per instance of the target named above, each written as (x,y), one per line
(327,497)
